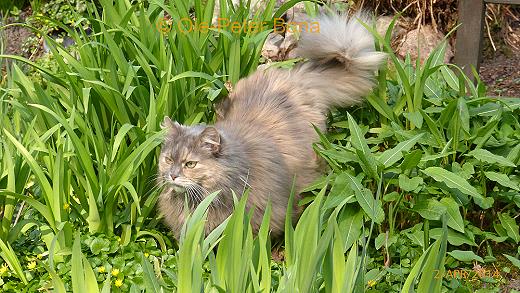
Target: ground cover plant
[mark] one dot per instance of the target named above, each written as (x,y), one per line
(423,192)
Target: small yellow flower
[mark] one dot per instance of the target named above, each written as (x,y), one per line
(118,283)
(371,283)
(115,272)
(39,256)
(66,206)
(3,269)
(101,269)
(31,265)
(146,254)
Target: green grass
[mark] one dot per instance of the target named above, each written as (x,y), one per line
(423,179)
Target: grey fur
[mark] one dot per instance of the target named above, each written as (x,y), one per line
(265,136)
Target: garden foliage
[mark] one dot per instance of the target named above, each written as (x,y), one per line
(423,178)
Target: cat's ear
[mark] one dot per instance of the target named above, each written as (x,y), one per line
(173,126)
(210,139)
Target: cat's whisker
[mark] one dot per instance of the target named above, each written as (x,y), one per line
(191,194)
(195,193)
(157,186)
(200,195)
(201,188)
(161,181)
(155,178)
(218,200)
(204,192)
(201,191)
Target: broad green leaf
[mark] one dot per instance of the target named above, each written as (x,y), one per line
(381,240)
(513,260)
(415,118)
(368,164)
(488,157)
(454,238)
(359,143)
(409,184)
(488,109)
(516,199)
(436,156)
(463,113)
(350,222)
(366,200)
(492,236)
(391,156)
(434,129)
(514,154)
(150,279)
(411,160)
(465,256)
(466,171)
(450,77)
(484,202)
(502,179)
(429,208)
(510,226)
(417,237)
(452,180)
(437,55)
(392,196)
(455,220)
(381,106)
(98,245)
(340,190)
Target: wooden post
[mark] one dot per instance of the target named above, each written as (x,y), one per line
(469,35)
(503,1)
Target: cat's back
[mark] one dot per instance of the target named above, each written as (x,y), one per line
(264,96)
(273,100)
(265,112)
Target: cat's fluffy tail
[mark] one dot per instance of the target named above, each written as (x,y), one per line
(342,59)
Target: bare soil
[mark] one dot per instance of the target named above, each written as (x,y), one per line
(502,75)
(16,35)
(500,68)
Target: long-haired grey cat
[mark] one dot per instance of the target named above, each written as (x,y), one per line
(264,139)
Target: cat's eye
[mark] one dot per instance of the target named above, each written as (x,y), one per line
(190,164)
(168,160)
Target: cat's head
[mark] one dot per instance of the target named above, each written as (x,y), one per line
(189,158)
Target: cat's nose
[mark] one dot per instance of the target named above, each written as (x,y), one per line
(173,176)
